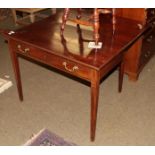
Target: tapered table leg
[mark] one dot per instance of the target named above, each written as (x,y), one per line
(16,72)
(121,75)
(94,104)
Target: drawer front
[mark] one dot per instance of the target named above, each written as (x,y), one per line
(147,47)
(50,59)
(146,55)
(29,51)
(148,38)
(150,13)
(69,66)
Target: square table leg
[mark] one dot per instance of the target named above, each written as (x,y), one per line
(15,64)
(121,75)
(94,103)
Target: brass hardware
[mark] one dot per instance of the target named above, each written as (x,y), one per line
(147,54)
(25,51)
(19,46)
(68,69)
(11,32)
(149,39)
(153,23)
(140,26)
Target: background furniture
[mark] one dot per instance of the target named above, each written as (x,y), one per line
(31,13)
(94,17)
(4,13)
(141,52)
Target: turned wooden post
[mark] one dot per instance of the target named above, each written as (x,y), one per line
(96,26)
(64,19)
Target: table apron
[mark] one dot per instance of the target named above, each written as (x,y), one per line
(56,61)
(109,66)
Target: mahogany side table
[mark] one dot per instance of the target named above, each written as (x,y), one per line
(42,42)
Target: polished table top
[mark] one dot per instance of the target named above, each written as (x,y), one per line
(45,34)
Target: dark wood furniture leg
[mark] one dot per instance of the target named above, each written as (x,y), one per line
(121,75)
(94,103)
(96,26)
(16,72)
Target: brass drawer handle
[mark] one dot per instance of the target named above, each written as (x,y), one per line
(25,51)
(147,54)
(68,69)
(153,23)
(149,39)
(140,26)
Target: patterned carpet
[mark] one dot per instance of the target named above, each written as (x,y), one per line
(47,138)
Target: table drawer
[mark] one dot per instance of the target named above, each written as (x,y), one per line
(150,13)
(29,51)
(50,59)
(69,66)
(146,55)
(147,52)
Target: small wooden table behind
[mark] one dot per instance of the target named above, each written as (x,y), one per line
(41,42)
